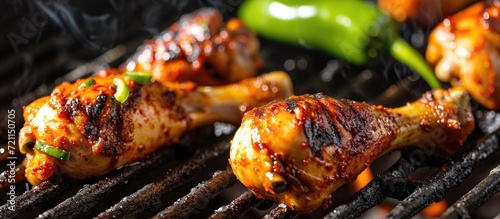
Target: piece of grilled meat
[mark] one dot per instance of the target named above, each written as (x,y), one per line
(298,151)
(465,50)
(426,12)
(200,48)
(101,134)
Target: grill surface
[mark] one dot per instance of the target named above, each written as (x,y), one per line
(193,179)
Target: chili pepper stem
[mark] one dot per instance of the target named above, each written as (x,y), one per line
(406,54)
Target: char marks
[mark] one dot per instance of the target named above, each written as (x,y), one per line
(290,105)
(94,112)
(116,126)
(319,127)
(168,99)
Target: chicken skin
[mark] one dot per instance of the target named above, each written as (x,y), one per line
(99,134)
(465,50)
(299,150)
(425,12)
(199,48)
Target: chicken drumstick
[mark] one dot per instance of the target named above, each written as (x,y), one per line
(200,48)
(298,151)
(82,130)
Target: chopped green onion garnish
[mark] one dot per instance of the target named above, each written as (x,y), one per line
(88,83)
(138,77)
(122,90)
(52,151)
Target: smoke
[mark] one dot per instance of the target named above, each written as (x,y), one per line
(97,32)
(98,25)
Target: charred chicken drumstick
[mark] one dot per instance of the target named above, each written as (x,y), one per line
(299,150)
(465,49)
(199,48)
(82,130)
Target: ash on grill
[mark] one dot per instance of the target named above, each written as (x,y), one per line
(193,179)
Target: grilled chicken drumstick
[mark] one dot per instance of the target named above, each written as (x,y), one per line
(200,48)
(298,151)
(82,130)
(465,49)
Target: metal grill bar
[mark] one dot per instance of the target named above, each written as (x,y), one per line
(281,212)
(199,195)
(148,198)
(454,173)
(392,183)
(38,197)
(239,206)
(474,198)
(90,195)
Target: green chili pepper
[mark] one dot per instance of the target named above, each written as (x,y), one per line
(52,151)
(87,83)
(139,77)
(355,31)
(122,90)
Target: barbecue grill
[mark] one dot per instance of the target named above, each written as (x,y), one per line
(193,179)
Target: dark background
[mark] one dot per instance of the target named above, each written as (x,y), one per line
(46,42)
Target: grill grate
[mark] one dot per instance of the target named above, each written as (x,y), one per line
(240,205)
(89,195)
(280,212)
(36,198)
(199,195)
(478,195)
(50,200)
(148,198)
(455,172)
(392,183)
